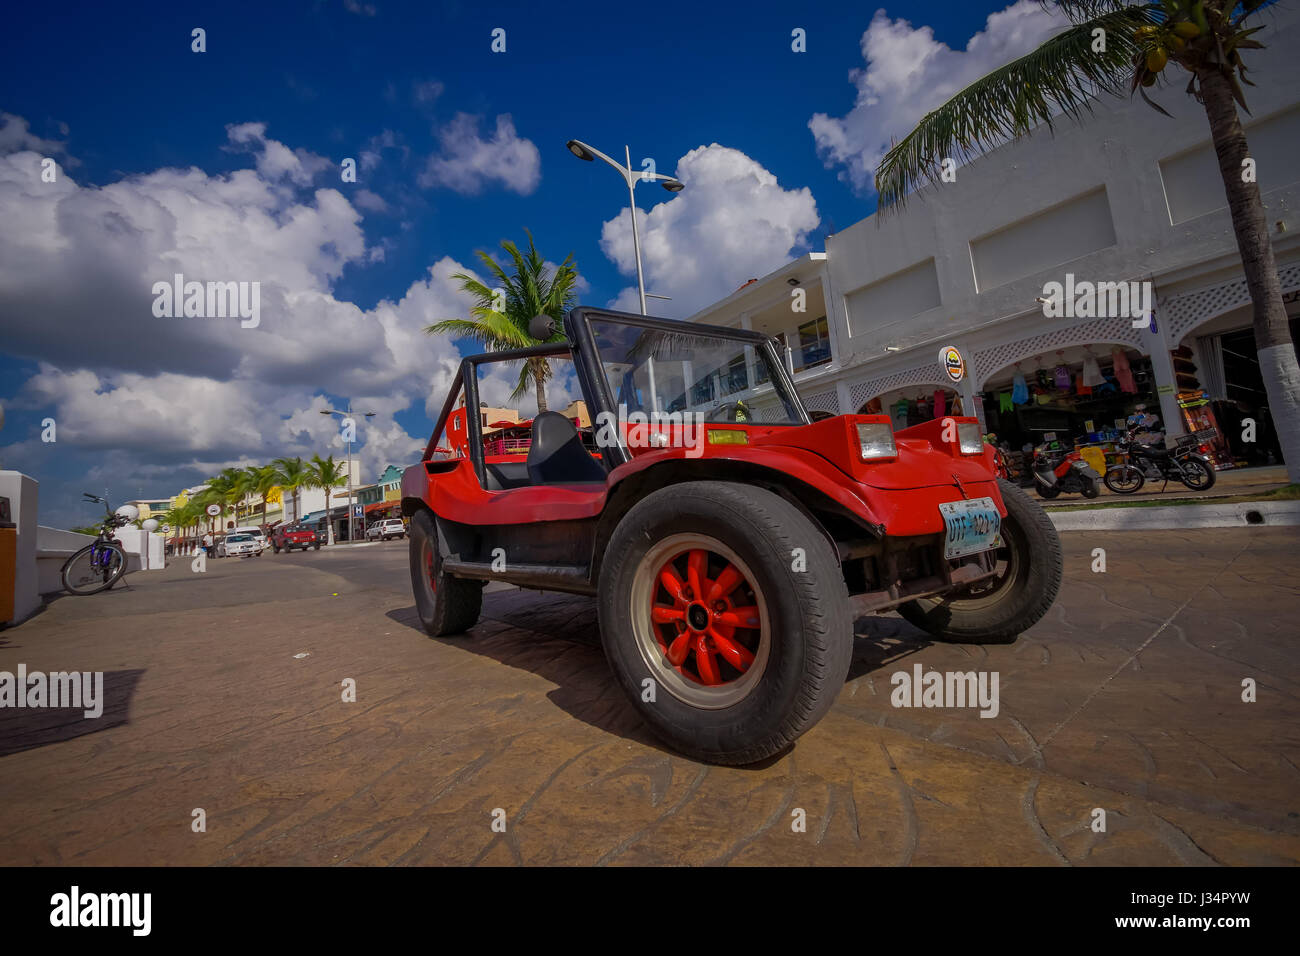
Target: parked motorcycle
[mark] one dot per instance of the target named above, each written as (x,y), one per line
(1186,462)
(1057,471)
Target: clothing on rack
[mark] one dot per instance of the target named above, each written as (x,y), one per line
(898,414)
(1092,373)
(1019,390)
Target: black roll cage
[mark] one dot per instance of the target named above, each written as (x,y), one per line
(581,348)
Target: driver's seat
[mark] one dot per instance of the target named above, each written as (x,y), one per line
(556,455)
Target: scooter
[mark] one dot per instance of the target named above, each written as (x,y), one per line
(1057,471)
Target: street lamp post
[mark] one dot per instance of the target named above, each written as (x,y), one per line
(351,527)
(587,154)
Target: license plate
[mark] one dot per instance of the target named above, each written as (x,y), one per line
(970,527)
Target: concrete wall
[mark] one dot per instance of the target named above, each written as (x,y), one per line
(53,548)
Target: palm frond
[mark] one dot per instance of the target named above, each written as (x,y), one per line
(1057,79)
(1080,11)
(490,329)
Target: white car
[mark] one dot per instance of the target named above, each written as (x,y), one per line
(241,545)
(258,534)
(388,528)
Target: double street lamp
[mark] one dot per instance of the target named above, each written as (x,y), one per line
(587,154)
(328,522)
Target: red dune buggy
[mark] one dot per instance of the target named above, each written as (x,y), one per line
(730,541)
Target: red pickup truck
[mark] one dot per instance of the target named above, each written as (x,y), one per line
(293,536)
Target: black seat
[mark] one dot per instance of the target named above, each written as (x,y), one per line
(556,455)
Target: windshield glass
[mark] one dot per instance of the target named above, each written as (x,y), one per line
(238,537)
(656,370)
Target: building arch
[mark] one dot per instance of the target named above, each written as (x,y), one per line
(1101,349)
(1183,314)
(948,385)
(1099,332)
(922,376)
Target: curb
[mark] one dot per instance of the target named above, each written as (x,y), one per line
(1241,515)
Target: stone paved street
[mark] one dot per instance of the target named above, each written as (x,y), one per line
(1127,697)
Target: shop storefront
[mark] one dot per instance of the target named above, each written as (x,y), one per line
(1080,397)
(912,406)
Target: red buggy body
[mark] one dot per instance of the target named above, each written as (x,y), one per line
(730,541)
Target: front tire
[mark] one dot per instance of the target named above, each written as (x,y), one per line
(1124,479)
(446,605)
(1030,564)
(1091,487)
(702,609)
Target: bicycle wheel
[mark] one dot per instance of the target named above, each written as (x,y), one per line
(94,568)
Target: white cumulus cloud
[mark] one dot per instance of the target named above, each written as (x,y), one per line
(908,73)
(731,223)
(468,162)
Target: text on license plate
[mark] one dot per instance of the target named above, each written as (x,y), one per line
(970,527)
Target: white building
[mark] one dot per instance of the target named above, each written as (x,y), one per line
(1126,195)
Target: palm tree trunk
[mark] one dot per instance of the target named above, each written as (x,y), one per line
(539,379)
(1277,355)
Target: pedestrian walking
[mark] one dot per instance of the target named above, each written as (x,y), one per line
(207,544)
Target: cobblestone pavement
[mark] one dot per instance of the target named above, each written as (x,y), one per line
(1127,697)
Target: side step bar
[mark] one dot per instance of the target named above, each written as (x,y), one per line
(574,579)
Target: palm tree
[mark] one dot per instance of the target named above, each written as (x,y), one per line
(529,292)
(220,491)
(1204,38)
(290,475)
(260,480)
(326,474)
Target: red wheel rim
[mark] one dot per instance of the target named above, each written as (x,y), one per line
(705,616)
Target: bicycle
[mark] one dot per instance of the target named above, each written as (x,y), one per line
(100,564)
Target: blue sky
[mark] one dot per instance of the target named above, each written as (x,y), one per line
(226,162)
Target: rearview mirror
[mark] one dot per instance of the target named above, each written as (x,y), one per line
(541,327)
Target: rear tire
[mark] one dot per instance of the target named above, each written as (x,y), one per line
(81,577)
(795,638)
(1205,474)
(446,605)
(997,613)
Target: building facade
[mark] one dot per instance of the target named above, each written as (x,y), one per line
(1129,198)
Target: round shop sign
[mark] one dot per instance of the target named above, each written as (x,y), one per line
(954,366)
(214,510)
